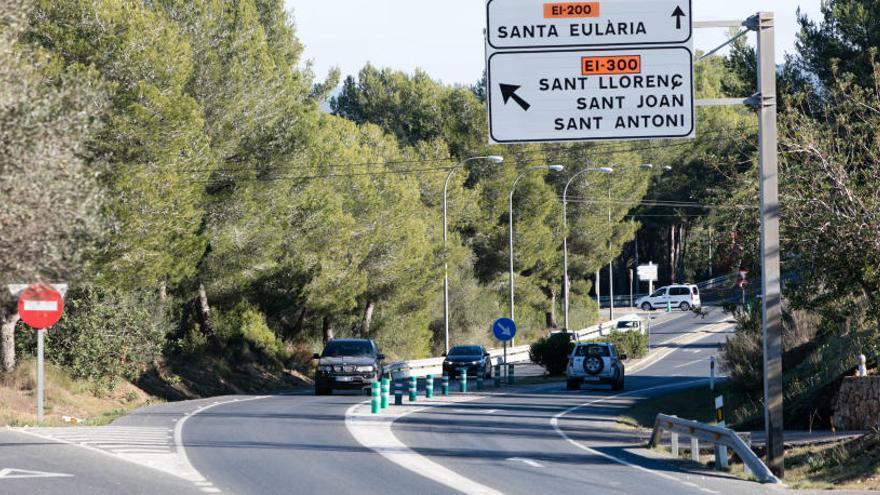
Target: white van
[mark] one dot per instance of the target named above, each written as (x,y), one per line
(683,297)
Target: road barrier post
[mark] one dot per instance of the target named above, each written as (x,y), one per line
(669,306)
(398,393)
(445,384)
(497,377)
(462,380)
(386,389)
(429,386)
(413,388)
(720,450)
(374,402)
(712,373)
(673,438)
(510,377)
(480,381)
(695,449)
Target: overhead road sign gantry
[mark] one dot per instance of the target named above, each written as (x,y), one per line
(525,24)
(585,95)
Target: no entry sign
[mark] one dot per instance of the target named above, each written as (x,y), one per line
(40,306)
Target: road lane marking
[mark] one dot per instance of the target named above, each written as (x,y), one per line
(675,344)
(375,433)
(529,462)
(475,411)
(13,473)
(690,363)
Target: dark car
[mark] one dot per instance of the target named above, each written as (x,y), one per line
(473,357)
(349,364)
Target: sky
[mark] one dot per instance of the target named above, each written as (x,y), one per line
(445,37)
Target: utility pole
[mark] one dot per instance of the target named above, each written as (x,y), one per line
(763,23)
(611,261)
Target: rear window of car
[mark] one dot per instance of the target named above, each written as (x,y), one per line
(466,350)
(695,291)
(348,349)
(679,291)
(592,350)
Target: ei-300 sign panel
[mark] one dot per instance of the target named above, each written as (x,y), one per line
(525,24)
(584,95)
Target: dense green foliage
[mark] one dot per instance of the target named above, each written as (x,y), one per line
(631,343)
(552,352)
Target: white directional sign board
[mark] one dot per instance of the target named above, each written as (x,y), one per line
(648,273)
(586,71)
(573,95)
(517,24)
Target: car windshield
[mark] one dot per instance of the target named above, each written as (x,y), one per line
(659,292)
(592,350)
(466,350)
(348,349)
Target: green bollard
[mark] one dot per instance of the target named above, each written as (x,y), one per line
(462,380)
(429,386)
(497,377)
(398,393)
(480,380)
(445,384)
(413,388)
(510,379)
(386,389)
(669,306)
(374,402)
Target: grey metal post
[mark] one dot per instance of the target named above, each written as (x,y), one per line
(772,300)
(40,367)
(610,261)
(555,168)
(631,288)
(566,283)
(494,159)
(598,295)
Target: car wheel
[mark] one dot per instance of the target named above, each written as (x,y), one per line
(593,365)
(646,306)
(572,385)
(684,306)
(323,391)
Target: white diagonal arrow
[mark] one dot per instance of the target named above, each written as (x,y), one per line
(505,330)
(12,473)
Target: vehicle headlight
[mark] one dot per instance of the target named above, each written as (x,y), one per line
(326,368)
(364,369)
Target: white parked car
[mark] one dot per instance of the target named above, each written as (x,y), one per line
(683,297)
(597,363)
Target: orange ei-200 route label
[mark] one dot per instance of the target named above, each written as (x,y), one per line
(571,10)
(618,64)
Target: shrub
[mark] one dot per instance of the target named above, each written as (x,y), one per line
(244,327)
(106,335)
(633,344)
(552,352)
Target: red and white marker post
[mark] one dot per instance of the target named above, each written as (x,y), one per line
(40,306)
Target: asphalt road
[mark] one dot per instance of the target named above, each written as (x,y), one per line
(508,441)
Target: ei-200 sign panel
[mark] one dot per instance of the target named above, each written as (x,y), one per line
(583,95)
(518,24)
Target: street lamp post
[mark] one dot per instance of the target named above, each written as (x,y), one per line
(604,170)
(492,159)
(552,168)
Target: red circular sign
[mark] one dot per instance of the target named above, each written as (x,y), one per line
(40,306)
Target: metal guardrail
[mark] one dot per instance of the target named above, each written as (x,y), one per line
(715,435)
(515,355)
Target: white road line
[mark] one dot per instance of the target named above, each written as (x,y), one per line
(690,363)
(374,432)
(529,462)
(673,345)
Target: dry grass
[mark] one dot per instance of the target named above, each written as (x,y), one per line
(852,465)
(64,396)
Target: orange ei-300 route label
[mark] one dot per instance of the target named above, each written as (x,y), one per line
(618,64)
(571,10)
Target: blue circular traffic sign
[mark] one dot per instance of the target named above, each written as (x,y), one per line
(504,329)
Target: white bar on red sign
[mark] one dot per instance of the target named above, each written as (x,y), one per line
(41,305)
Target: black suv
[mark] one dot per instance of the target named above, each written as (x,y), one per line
(350,364)
(473,357)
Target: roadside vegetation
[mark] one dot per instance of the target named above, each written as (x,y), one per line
(552,351)
(217,224)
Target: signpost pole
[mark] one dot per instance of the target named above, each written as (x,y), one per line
(772,291)
(40,338)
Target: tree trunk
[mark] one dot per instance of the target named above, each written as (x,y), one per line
(368,319)
(7,343)
(551,315)
(327,330)
(163,293)
(299,323)
(205,311)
